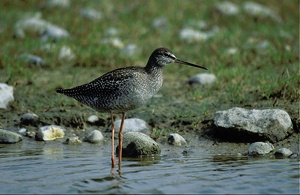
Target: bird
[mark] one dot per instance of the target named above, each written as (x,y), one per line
(125,89)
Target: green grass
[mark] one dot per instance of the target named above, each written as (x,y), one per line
(252,75)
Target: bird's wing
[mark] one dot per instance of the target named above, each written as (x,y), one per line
(111,81)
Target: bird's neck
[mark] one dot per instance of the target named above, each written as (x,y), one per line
(153,68)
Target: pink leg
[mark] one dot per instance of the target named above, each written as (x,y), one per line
(113,162)
(121,137)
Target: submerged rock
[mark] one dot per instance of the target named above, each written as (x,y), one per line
(283,152)
(132,124)
(176,139)
(6,95)
(202,78)
(271,124)
(8,137)
(94,137)
(50,132)
(260,148)
(138,144)
(73,141)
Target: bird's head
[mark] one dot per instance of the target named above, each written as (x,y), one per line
(163,56)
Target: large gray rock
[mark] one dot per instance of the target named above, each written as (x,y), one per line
(260,148)
(6,95)
(138,144)
(271,124)
(132,125)
(8,137)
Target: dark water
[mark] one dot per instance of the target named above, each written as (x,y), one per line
(56,168)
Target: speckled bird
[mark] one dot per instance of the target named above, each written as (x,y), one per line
(124,89)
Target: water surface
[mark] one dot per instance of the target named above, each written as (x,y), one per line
(40,167)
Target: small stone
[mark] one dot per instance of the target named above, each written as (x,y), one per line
(8,137)
(90,14)
(33,59)
(54,32)
(260,148)
(66,54)
(23,131)
(138,144)
(176,139)
(258,10)
(29,118)
(73,140)
(132,125)
(6,95)
(283,152)
(50,132)
(191,35)
(160,23)
(227,8)
(129,50)
(202,78)
(93,119)
(115,41)
(57,3)
(94,137)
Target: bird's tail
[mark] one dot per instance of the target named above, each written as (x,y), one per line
(68,92)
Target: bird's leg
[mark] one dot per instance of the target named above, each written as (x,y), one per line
(112,141)
(121,137)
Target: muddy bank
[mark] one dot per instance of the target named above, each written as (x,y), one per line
(164,115)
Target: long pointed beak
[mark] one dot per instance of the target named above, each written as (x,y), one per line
(178,61)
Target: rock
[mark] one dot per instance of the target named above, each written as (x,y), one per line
(57,3)
(258,10)
(129,50)
(6,95)
(23,131)
(93,119)
(90,14)
(138,144)
(8,137)
(283,152)
(65,54)
(73,141)
(227,8)
(202,78)
(94,137)
(29,118)
(54,32)
(50,132)
(260,148)
(176,139)
(132,125)
(160,23)
(114,41)
(191,35)
(271,124)
(33,59)
(34,24)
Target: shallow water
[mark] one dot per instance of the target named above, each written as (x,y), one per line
(38,167)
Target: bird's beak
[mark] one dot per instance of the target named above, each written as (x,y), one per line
(178,61)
